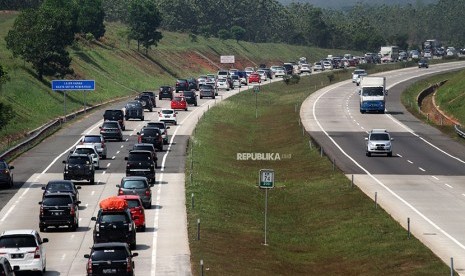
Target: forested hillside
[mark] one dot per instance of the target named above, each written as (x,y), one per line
(347,4)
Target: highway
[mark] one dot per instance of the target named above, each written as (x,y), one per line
(424,181)
(163,248)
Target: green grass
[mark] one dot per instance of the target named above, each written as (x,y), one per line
(318,224)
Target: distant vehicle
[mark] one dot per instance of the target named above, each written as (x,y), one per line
(62,186)
(373,94)
(207,90)
(318,66)
(242,76)
(137,185)
(134,110)
(146,101)
(137,210)
(249,70)
(179,102)
(149,147)
(379,142)
(262,74)
(58,209)
(193,84)
(279,71)
(254,77)
(305,68)
(289,68)
(6,175)
(163,128)
(357,74)
(222,74)
(423,63)
(95,140)
(191,97)
(327,65)
(168,115)
(389,53)
(115,115)
(414,54)
(90,150)
(113,258)
(152,96)
(151,135)
(79,167)
(165,91)
(24,248)
(222,83)
(181,85)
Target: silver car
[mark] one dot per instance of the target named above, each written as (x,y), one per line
(96,140)
(137,185)
(379,141)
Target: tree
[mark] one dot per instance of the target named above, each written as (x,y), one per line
(224,34)
(144,19)
(41,36)
(6,114)
(90,18)
(237,32)
(3,76)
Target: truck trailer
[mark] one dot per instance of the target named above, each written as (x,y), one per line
(372,94)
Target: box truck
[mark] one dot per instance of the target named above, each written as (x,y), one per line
(372,94)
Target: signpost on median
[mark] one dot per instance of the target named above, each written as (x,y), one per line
(256,89)
(64,85)
(266,181)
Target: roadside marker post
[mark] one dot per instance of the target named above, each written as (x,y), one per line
(266,181)
(256,89)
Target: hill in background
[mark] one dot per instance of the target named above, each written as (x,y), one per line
(345,4)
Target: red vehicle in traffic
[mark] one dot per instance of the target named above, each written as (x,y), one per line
(137,210)
(179,102)
(254,77)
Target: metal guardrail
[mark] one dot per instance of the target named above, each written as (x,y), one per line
(460,132)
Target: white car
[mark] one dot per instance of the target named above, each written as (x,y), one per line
(89,150)
(222,74)
(318,66)
(305,68)
(201,80)
(279,72)
(249,70)
(222,84)
(357,74)
(168,115)
(236,81)
(263,75)
(327,65)
(24,248)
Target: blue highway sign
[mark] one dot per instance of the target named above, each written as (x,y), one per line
(73,84)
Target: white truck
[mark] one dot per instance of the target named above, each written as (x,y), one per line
(389,53)
(373,94)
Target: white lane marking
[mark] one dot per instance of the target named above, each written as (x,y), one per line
(117,152)
(435,177)
(410,161)
(449,186)
(421,169)
(376,179)
(8,212)
(108,165)
(399,155)
(122,146)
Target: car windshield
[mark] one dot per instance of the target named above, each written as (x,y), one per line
(206,87)
(134,184)
(167,111)
(150,132)
(357,72)
(372,91)
(142,147)
(189,94)
(157,125)
(57,201)
(110,125)
(118,217)
(109,254)
(91,139)
(113,113)
(133,203)
(139,156)
(52,187)
(165,89)
(75,160)
(379,137)
(133,105)
(84,151)
(16,241)
(178,99)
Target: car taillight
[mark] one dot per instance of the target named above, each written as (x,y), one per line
(72,212)
(128,265)
(36,253)
(120,192)
(160,115)
(148,192)
(139,139)
(4,171)
(130,227)
(97,227)
(89,266)
(103,144)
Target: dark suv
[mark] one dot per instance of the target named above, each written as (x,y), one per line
(115,115)
(182,85)
(114,226)
(111,130)
(166,91)
(79,167)
(134,110)
(146,102)
(62,186)
(151,135)
(149,147)
(152,97)
(140,163)
(58,209)
(114,258)
(6,176)
(191,97)
(207,90)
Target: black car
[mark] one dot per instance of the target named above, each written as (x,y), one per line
(289,69)
(165,92)
(151,95)
(115,115)
(134,110)
(113,258)
(79,167)
(6,175)
(111,130)
(114,226)
(146,102)
(207,90)
(62,186)
(58,209)
(193,84)
(191,97)
(140,163)
(181,85)
(149,147)
(423,63)
(151,135)
(163,128)
(269,73)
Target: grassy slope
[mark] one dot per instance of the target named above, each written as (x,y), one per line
(318,225)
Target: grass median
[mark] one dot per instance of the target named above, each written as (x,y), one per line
(317,223)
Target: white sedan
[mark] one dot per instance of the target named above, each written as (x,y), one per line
(263,75)
(168,115)
(305,68)
(279,71)
(222,84)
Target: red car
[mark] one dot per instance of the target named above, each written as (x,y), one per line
(137,210)
(179,103)
(254,77)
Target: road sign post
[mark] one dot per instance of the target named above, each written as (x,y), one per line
(266,181)
(256,89)
(64,85)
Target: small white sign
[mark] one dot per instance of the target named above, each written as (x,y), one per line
(227,59)
(266,179)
